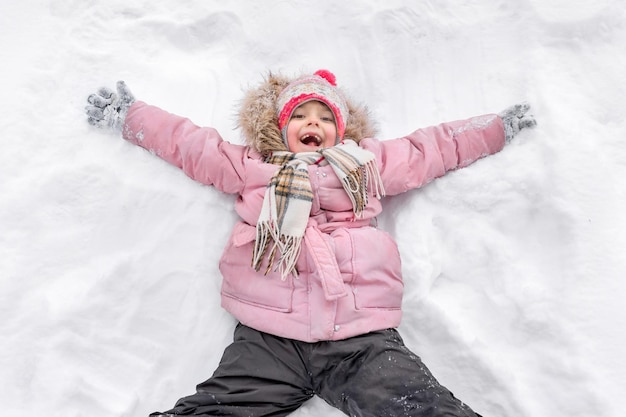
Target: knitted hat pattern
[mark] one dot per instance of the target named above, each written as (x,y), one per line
(321,86)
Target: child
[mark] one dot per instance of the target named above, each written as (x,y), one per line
(316,287)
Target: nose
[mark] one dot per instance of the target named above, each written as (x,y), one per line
(313,120)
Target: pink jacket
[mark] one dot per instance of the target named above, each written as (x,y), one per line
(350,279)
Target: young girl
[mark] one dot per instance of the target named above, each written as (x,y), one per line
(315,286)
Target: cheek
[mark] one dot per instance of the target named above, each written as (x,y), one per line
(292,136)
(330,134)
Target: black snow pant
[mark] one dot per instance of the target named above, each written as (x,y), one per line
(369,375)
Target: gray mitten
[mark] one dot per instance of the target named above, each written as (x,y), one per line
(516,119)
(107,109)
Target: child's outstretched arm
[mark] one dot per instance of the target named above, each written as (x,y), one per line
(199,151)
(414,160)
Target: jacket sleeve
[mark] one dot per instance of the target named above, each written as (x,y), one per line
(199,151)
(415,160)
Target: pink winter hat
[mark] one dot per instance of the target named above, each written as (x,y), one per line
(320,86)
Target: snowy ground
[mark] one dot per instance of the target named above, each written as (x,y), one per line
(514,267)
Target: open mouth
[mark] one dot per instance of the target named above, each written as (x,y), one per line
(310,139)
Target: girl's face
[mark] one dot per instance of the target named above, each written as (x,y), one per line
(311,127)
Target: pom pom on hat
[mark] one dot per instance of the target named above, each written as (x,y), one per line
(321,86)
(328,76)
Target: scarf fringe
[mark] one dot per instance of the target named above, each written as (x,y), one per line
(288,246)
(291,246)
(357,183)
(374,179)
(261,243)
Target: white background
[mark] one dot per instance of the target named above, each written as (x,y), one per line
(514,267)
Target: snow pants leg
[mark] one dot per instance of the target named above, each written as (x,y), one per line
(369,375)
(258,375)
(376,375)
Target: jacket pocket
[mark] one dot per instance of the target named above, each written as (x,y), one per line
(375,275)
(242,283)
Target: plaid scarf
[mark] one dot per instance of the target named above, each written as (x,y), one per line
(288,198)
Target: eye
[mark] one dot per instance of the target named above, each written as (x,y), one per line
(297,116)
(328,119)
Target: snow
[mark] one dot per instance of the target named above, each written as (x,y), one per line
(514,266)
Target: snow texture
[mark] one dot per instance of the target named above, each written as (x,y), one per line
(514,266)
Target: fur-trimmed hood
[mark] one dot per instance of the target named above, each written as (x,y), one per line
(258,118)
